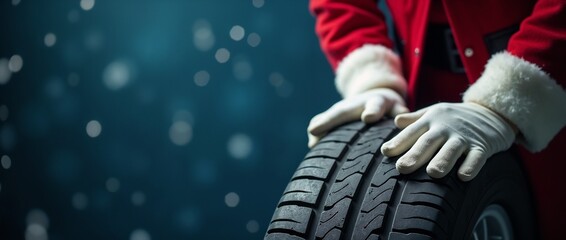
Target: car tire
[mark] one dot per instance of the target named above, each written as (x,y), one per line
(346,189)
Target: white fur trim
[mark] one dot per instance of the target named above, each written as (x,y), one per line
(369,67)
(525,95)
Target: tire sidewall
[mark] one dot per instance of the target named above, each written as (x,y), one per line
(501,182)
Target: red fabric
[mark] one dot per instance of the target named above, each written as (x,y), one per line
(410,18)
(546,173)
(542,39)
(364,22)
(471,21)
(437,14)
(345,25)
(440,87)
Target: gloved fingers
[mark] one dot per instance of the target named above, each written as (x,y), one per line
(315,124)
(404,140)
(406,119)
(375,109)
(397,109)
(313,140)
(338,114)
(446,157)
(396,104)
(421,152)
(472,165)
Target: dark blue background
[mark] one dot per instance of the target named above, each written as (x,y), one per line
(132,181)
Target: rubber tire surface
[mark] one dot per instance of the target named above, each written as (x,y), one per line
(345,189)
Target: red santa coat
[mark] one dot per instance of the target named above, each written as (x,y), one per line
(345,26)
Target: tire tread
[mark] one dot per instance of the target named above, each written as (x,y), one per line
(346,189)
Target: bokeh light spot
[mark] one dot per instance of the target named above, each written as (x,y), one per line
(283,87)
(93,128)
(242,70)
(254,39)
(16,63)
(16,2)
(79,201)
(94,40)
(180,133)
(87,5)
(201,78)
(222,55)
(117,75)
(6,162)
(50,39)
(73,16)
(276,79)
(183,115)
(5,73)
(252,226)
(258,3)
(237,33)
(138,198)
(140,234)
(112,185)
(36,232)
(203,37)
(286,90)
(240,146)
(232,199)
(37,216)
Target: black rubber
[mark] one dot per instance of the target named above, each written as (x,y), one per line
(345,189)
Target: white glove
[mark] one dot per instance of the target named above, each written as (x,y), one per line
(369,106)
(449,130)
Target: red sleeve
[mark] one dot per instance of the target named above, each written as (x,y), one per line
(541,39)
(345,25)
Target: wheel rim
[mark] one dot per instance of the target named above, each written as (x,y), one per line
(493,224)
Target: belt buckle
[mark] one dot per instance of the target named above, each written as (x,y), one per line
(454,59)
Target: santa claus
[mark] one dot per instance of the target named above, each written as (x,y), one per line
(481,75)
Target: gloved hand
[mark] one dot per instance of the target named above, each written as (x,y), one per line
(369,106)
(449,130)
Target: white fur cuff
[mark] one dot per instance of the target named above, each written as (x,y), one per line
(525,95)
(369,67)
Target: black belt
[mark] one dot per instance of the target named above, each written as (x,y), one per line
(441,52)
(440,49)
